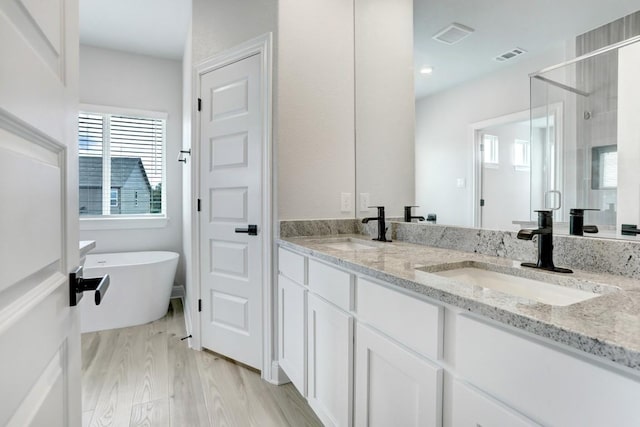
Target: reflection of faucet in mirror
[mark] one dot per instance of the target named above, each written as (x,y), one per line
(382,227)
(407,214)
(630,230)
(576,223)
(545,243)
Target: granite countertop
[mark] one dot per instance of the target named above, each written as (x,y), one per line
(607,326)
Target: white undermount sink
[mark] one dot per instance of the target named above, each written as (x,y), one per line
(347,243)
(511,282)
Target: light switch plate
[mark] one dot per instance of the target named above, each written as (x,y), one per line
(345,202)
(460,183)
(364,202)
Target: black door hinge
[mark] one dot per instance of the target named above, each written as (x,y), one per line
(198,205)
(199,104)
(481,202)
(199,305)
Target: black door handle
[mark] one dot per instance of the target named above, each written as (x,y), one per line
(77,285)
(251,230)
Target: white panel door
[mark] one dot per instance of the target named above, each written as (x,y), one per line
(330,362)
(394,387)
(232,195)
(39,331)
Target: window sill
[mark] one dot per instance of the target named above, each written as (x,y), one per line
(127,223)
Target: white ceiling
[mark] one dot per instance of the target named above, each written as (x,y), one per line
(500,25)
(149,27)
(159,28)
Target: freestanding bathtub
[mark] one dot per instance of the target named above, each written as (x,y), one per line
(139,291)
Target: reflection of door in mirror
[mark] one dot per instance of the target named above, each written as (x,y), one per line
(503,175)
(502,172)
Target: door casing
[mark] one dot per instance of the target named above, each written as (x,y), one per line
(261,45)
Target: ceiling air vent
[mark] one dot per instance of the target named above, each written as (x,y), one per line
(510,54)
(453,34)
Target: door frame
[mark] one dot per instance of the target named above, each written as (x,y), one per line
(476,131)
(555,109)
(262,45)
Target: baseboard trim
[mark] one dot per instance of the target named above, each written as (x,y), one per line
(278,377)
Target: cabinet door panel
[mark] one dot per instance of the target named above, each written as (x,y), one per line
(472,409)
(292,322)
(542,381)
(393,385)
(330,362)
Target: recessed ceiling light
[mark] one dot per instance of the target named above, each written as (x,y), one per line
(426,70)
(453,34)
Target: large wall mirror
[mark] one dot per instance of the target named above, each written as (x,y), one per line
(475,131)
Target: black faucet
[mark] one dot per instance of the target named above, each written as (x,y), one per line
(545,243)
(630,230)
(407,214)
(576,222)
(382,228)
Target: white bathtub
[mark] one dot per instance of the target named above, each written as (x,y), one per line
(139,291)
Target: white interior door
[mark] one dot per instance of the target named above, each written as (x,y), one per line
(231,147)
(39,334)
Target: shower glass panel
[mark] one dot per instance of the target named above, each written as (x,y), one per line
(580,128)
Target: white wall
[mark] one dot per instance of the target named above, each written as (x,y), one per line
(219,25)
(315,108)
(385,107)
(119,79)
(444,139)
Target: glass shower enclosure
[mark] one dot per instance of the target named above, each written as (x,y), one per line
(585,137)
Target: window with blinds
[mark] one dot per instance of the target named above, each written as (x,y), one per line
(120,164)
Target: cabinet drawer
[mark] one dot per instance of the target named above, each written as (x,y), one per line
(552,385)
(472,409)
(332,284)
(413,322)
(292,265)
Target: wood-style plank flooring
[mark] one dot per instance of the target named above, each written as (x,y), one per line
(146,376)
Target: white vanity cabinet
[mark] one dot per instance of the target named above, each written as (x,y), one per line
(292,331)
(292,317)
(371,354)
(398,341)
(472,408)
(330,343)
(550,384)
(330,362)
(394,386)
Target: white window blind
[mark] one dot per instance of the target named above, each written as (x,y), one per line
(120,164)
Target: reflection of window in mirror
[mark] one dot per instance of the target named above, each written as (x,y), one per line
(521,155)
(114,197)
(604,167)
(490,148)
